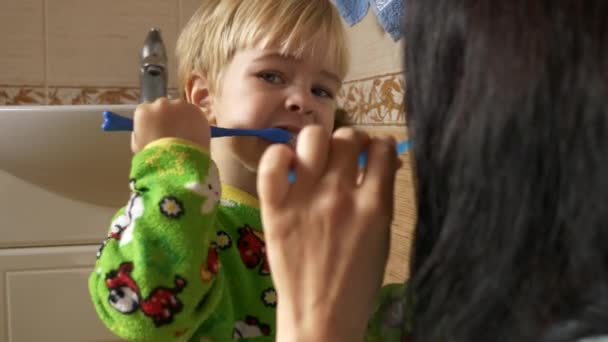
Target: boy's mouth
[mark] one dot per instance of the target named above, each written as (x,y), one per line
(292,143)
(294,130)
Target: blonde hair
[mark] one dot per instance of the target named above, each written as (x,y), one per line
(219,28)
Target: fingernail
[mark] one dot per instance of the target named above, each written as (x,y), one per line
(399,163)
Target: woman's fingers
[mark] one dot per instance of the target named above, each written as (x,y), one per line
(312,152)
(347,145)
(273,183)
(381,168)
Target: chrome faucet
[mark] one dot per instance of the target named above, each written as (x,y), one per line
(153,68)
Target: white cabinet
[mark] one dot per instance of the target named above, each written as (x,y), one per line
(48,245)
(44,296)
(61,181)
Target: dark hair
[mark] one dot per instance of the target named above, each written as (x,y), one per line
(507,109)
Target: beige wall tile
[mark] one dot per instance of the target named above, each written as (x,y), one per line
(373,51)
(22,42)
(187,9)
(97,43)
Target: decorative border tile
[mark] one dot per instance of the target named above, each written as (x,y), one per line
(377,100)
(12,96)
(27,95)
(91,95)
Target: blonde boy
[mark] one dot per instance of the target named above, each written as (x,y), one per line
(185,259)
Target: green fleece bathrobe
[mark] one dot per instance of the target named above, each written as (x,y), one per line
(185,259)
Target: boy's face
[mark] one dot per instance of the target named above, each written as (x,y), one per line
(262,89)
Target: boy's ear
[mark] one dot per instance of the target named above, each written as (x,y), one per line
(198,93)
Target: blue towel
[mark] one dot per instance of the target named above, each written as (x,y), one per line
(389,13)
(353,11)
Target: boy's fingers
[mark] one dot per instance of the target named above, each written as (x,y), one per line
(312,149)
(272,182)
(134,147)
(381,169)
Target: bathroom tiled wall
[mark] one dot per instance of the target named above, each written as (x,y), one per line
(87,52)
(81,51)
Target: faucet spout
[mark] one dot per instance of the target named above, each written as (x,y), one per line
(153,68)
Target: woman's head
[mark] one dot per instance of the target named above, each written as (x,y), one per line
(508,112)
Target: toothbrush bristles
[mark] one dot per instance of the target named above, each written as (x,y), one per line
(293,141)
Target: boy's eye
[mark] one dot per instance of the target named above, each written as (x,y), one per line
(322,93)
(271,77)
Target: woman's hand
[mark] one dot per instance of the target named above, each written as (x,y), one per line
(328,233)
(165,118)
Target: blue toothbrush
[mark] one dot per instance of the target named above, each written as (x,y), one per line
(115,122)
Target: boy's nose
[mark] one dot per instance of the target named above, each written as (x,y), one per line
(299,101)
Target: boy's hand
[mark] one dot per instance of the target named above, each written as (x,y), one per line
(328,233)
(165,118)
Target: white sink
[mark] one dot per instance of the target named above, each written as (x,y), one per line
(62,149)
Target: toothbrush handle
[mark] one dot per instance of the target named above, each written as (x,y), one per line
(113,122)
(220,132)
(402,147)
(217,132)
